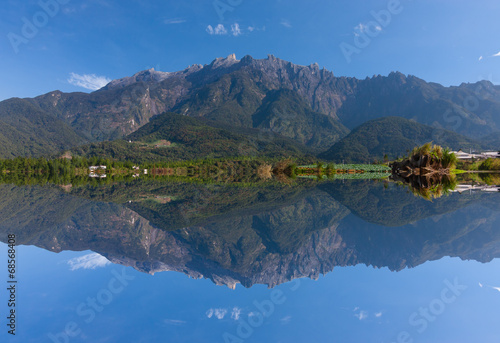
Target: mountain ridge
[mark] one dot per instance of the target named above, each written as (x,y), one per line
(233,91)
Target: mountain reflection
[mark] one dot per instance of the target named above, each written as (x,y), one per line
(254,235)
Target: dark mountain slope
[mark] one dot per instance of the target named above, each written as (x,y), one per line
(286,113)
(26,130)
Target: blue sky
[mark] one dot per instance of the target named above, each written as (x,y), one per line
(44,47)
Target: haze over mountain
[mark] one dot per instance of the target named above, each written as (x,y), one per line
(307,104)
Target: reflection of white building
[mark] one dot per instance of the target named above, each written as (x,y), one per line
(471,188)
(100,176)
(461,155)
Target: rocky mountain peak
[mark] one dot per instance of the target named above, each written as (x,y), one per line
(149,75)
(224,62)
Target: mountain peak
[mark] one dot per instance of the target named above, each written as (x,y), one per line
(148,75)
(224,62)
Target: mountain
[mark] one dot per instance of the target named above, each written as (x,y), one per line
(285,112)
(187,138)
(310,105)
(492,140)
(26,130)
(469,109)
(394,137)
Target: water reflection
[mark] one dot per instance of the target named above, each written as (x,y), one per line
(254,235)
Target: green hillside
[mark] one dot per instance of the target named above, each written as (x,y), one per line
(26,130)
(394,137)
(175,137)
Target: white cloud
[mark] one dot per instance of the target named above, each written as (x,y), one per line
(89,261)
(218,30)
(174,21)
(251,28)
(219,313)
(480,285)
(361,315)
(235,29)
(286,23)
(378,314)
(480,58)
(235,314)
(88,81)
(497,54)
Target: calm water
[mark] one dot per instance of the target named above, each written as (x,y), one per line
(342,261)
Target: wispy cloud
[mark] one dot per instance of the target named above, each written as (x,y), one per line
(235,314)
(378,314)
(361,315)
(285,320)
(89,261)
(235,29)
(286,23)
(174,21)
(492,287)
(174,322)
(88,81)
(480,58)
(496,55)
(218,30)
(362,28)
(218,313)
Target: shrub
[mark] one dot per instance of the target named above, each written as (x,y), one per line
(490,164)
(449,160)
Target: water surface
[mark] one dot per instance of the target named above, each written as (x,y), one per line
(340,261)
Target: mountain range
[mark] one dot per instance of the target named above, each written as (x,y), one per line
(267,236)
(305,105)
